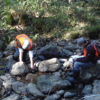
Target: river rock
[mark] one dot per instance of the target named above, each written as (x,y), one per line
(19,69)
(53,97)
(1,55)
(87,90)
(90,73)
(96,87)
(8,83)
(19,87)
(5,77)
(52,50)
(1,83)
(33,90)
(13,97)
(68,94)
(50,65)
(29,77)
(51,83)
(92,97)
(9,63)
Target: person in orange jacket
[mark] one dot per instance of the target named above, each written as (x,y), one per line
(23,44)
(88,57)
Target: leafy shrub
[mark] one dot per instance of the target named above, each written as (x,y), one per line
(74,35)
(93,31)
(9,18)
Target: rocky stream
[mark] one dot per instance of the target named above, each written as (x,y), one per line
(48,81)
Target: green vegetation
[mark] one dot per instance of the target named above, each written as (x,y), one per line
(50,18)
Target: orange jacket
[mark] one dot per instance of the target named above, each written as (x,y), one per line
(20,38)
(96,51)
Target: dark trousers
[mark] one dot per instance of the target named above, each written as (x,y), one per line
(16,55)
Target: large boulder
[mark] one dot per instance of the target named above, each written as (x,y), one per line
(34,91)
(52,50)
(90,73)
(51,83)
(50,65)
(19,69)
(96,87)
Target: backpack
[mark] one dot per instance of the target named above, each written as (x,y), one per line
(97,44)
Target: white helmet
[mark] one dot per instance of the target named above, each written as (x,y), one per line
(25,44)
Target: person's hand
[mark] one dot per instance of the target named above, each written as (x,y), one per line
(32,67)
(74,59)
(21,62)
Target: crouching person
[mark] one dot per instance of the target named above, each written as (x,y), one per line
(88,59)
(23,44)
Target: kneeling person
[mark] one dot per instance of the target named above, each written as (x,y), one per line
(23,44)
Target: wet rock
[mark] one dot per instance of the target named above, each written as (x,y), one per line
(25,98)
(80,88)
(6,91)
(71,47)
(8,83)
(9,63)
(33,90)
(13,96)
(1,55)
(19,87)
(88,74)
(96,87)
(53,97)
(29,77)
(5,77)
(62,43)
(51,83)
(50,65)
(19,69)
(61,92)
(62,60)
(57,73)
(92,97)
(51,50)
(87,90)
(0,83)
(68,94)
